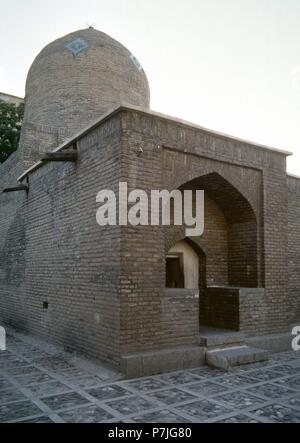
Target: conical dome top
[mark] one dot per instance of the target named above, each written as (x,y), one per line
(80,77)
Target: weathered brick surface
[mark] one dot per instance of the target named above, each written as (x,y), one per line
(175,154)
(253,312)
(294,248)
(53,251)
(240,309)
(65,92)
(37,139)
(219,308)
(104,285)
(179,317)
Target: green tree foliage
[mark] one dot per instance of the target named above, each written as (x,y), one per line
(11,116)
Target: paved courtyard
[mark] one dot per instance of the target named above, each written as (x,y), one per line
(42,384)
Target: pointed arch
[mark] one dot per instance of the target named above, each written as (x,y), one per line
(231,239)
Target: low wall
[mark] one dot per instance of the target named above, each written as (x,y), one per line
(238,309)
(219,307)
(180,317)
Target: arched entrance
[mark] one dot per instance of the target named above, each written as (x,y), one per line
(225,260)
(231,240)
(185,266)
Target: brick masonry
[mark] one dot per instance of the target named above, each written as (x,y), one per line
(105,286)
(52,251)
(294,247)
(66,91)
(219,308)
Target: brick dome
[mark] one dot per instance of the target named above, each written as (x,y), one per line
(80,77)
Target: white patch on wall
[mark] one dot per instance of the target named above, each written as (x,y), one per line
(136,62)
(2,339)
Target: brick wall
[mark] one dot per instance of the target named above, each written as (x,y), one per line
(237,193)
(213,243)
(294,248)
(65,93)
(53,251)
(180,317)
(276,249)
(174,154)
(104,285)
(37,139)
(219,308)
(11,224)
(252,311)
(239,309)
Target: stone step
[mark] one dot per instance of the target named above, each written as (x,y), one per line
(234,356)
(218,339)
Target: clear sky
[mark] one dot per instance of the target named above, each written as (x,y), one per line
(228,65)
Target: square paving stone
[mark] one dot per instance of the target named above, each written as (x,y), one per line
(204,409)
(283,355)
(72,373)
(5,384)
(131,405)
(287,369)
(31,379)
(36,356)
(206,388)
(87,381)
(15,411)
(236,381)
(180,378)
(264,374)
(239,399)
(250,367)
(278,413)
(65,401)
(41,420)
(163,416)
(147,384)
(270,391)
(239,419)
(13,364)
(49,389)
(89,414)
(293,401)
(24,370)
(292,355)
(294,364)
(11,395)
(108,392)
(289,382)
(172,396)
(7,356)
(25,352)
(54,363)
(207,372)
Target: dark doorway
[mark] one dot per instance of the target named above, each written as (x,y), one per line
(174,271)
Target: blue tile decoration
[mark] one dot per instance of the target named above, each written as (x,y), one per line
(76,46)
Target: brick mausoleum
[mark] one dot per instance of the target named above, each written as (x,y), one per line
(146,299)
